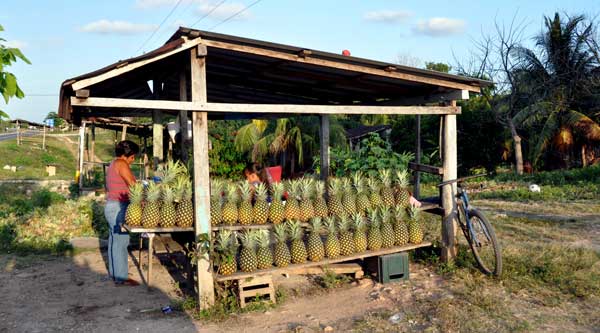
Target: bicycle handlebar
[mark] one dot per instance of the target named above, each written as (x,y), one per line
(460,180)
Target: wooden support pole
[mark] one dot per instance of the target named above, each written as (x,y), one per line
(417,189)
(146,166)
(18,133)
(81,151)
(93,143)
(124,133)
(205,287)
(183,117)
(157,138)
(324,147)
(44,138)
(449,225)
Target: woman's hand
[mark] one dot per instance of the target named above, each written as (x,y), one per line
(414,202)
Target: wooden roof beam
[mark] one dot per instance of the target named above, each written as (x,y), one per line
(454,95)
(101,102)
(340,65)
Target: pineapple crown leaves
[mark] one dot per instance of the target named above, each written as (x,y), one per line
(280,232)
(402,178)
(168,195)
(261,191)
(413,213)
(400,213)
(359,222)
(294,190)
(153,192)
(316,224)
(373,215)
(232,192)
(330,224)
(358,181)
(248,238)
(136,192)
(306,188)
(385,214)
(344,224)
(226,247)
(334,186)
(278,190)
(171,170)
(245,190)
(216,187)
(385,176)
(295,230)
(320,187)
(373,184)
(347,185)
(262,238)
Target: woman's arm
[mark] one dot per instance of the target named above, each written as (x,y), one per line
(125,172)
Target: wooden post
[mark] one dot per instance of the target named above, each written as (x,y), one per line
(124,133)
(449,228)
(93,144)
(157,129)
(18,133)
(44,138)
(81,151)
(324,147)
(417,189)
(183,117)
(206,292)
(146,166)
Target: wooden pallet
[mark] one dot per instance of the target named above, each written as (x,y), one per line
(256,286)
(353,268)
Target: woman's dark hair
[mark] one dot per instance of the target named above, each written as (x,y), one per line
(252,167)
(127,148)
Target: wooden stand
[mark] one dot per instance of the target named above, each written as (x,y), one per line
(256,286)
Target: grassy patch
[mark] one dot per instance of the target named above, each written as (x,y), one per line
(31,160)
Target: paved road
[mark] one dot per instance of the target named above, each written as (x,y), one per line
(13,136)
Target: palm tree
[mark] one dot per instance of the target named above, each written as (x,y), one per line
(555,79)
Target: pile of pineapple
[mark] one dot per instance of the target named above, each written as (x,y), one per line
(359,214)
(165,204)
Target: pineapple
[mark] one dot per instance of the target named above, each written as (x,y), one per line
(133,215)
(319,203)
(276,210)
(374,196)
(230,208)
(315,248)
(245,208)
(400,228)
(248,259)
(281,255)
(415,233)
(360,236)
(332,244)
(151,212)
(387,229)
(348,198)
(168,214)
(297,248)
(226,248)
(362,198)
(307,211)
(387,193)
(292,209)
(185,208)
(216,202)
(346,239)
(334,201)
(170,171)
(374,236)
(263,254)
(402,193)
(260,211)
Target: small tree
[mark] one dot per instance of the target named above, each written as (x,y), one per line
(8,81)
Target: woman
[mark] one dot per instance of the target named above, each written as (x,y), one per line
(118,179)
(252,172)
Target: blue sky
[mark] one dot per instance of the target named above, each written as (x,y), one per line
(67,38)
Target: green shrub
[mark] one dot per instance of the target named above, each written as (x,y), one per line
(49,159)
(589,174)
(44,198)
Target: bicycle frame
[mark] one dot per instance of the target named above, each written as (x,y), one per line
(464,201)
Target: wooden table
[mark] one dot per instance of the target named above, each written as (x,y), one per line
(151,233)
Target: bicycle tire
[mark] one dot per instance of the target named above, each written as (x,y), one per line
(478,219)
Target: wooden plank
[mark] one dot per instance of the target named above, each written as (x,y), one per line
(138,230)
(102,102)
(324,136)
(183,117)
(417,182)
(82,93)
(340,65)
(449,225)
(335,268)
(157,128)
(81,152)
(431,98)
(124,132)
(426,168)
(205,283)
(292,267)
(247,226)
(131,66)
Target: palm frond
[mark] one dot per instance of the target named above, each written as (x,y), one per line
(550,127)
(246,137)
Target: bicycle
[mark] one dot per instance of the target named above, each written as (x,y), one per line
(477,230)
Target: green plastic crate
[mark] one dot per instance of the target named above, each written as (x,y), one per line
(392,267)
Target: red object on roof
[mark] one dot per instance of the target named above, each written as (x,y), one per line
(346,53)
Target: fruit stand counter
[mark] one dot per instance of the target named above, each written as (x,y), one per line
(150,233)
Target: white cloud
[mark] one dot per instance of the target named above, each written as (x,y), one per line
(439,27)
(19,44)
(224,11)
(388,16)
(116,27)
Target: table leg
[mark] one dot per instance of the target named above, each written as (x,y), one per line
(150,255)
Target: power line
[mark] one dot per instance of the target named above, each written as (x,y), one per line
(209,12)
(234,15)
(160,25)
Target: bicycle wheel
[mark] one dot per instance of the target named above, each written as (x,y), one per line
(486,250)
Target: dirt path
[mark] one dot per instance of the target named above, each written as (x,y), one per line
(72,147)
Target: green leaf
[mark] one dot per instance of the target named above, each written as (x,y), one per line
(11,85)
(18,53)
